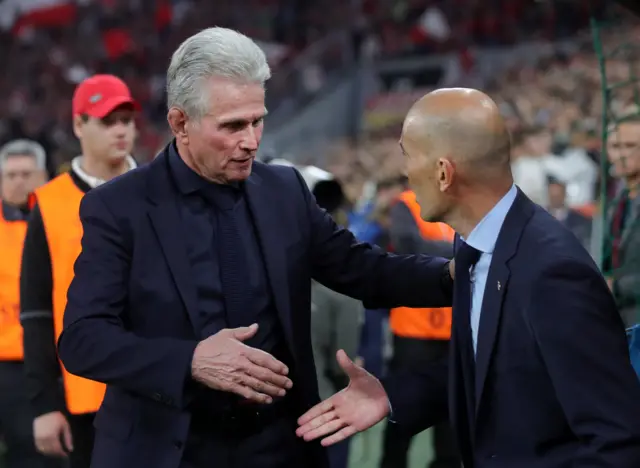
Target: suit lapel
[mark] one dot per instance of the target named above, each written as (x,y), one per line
(166,221)
(263,203)
(496,286)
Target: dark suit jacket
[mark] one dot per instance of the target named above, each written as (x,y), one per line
(129,318)
(553,383)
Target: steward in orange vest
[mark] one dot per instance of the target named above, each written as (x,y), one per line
(420,336)
(429,323)
(22,169)
(13,227)
(59,205)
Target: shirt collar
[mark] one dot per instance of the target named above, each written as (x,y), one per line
(485,235)
(186,179)
(189,181)
(13,213)
(90,180)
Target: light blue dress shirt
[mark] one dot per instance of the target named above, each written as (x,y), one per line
(483,238)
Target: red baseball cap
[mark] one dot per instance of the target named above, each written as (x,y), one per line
(99,95)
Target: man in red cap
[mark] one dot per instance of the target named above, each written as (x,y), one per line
(65,405)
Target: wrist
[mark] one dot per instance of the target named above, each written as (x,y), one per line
(446,280)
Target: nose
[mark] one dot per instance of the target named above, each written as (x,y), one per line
(250,139)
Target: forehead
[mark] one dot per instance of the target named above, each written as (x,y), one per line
(626,131)
(19,161)
(232,100)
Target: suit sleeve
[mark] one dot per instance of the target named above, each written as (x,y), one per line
(419,400)
(95,342)
(582,342)
(365,272)
(406,238)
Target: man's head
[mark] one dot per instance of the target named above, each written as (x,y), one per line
(103,118)
(215,95)
(23,169)
(623,150)
(537,142)
(557,191)
(454,140)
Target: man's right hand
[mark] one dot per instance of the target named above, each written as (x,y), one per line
(52,434)
(223,362)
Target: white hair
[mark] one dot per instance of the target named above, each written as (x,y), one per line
(23,148)
(213,52)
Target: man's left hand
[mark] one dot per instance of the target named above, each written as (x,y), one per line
(358,407)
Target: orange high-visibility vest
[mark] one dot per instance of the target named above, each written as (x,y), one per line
(12,235)
(59,203)
(427,323)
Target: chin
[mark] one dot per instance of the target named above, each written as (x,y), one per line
(118,157)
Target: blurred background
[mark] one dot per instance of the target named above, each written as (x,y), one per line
(345,72)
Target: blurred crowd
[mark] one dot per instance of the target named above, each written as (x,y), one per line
(134,38)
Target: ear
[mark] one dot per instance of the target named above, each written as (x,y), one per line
(178,123)
(446,174)
(78,123)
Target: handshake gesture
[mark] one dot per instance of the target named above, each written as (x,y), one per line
(358,407)
(223,362)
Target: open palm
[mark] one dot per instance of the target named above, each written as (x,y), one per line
(361,405)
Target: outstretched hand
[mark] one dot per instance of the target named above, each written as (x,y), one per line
(358,407)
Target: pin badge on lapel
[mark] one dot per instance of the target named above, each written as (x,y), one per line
(499,285)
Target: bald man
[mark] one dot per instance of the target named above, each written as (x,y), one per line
(538,374)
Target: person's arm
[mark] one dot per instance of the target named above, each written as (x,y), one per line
(406,238)
(95,343)
(379,279)
(41,365)
(583,345)
(419,400)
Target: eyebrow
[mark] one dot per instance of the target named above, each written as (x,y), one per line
(242,120)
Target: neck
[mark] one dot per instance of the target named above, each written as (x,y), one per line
(103,170)
(633,185)
(474,206)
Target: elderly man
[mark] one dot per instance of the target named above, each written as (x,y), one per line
(22,170)
(191,297)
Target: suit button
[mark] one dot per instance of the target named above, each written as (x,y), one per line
(157,397)
(177,444)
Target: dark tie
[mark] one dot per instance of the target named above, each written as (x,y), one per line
(466,257)
(234,274)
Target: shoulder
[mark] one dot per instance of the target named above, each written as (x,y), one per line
(277,174)
(122,193)
(549,249)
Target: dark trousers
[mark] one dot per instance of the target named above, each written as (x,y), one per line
(339,454)
(411,354)
(16,421)
(372,340)
(245,442)
(83,434)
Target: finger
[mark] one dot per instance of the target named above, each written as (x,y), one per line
(67,438)
(339,436)
(263,359)
(328,428)
(267,375)
(244,333)
(250,394)
(347,364)
(316,422)
(53,447)
(319,409)
(262,387)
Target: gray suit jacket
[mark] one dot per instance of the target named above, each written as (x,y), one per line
(335,324)
(627,276)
